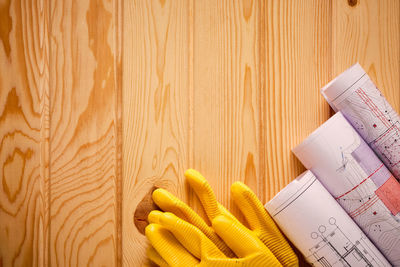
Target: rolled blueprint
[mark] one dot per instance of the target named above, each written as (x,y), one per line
(357,179)
(322,231)
(356,96)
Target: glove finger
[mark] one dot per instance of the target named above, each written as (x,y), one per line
(251,207)
(189,236)
(154,216)
(206,195)
(262,224)
(169,247)
(169,203)
(204,192)
(240,239)
(153,255)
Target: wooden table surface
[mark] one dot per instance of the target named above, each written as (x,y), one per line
(100,101)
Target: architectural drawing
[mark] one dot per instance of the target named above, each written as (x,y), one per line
(360,101)
(321,230)
(334,248)
(358,180)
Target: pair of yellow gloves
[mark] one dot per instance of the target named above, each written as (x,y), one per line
(180,237)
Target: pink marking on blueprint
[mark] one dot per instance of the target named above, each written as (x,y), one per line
(389,193)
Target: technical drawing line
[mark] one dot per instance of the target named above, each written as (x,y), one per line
(348,87)
(378,113)
(300,189)
(360,182)
(368,101)
(364,207)
(374,110)
(385,133)
(364,210)
(294,198)
(335,248)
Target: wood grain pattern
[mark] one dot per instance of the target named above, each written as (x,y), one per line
(369,32)
(24,134)
(227,97)
(83,145)
(297,64)
(156,95)
(103,100)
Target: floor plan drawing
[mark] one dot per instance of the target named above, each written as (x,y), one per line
(334,248)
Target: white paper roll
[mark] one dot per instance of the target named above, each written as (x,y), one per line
(356,96)
(322,231)
(357,179)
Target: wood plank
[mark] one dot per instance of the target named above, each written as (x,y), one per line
(24,131)
(369,32)
(156,110)
(226,103)
(298,60)
(83,134)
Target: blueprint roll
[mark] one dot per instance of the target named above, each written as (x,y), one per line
(356,178)
(322,231)
(356,96)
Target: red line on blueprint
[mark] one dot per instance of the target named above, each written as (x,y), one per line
(380,114)
(368,101)
(388,131)
(376,107)
(372,108)
(365,208)
(360,183)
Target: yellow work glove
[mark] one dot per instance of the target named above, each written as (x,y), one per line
(176,242)
(257,217)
